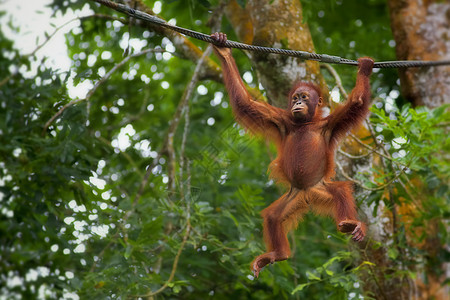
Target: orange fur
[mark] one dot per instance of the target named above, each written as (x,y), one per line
(306,143)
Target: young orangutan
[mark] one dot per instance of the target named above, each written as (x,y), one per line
(306,143)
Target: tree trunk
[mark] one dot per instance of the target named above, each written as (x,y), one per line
(276,24)
(421,29)
(422,32)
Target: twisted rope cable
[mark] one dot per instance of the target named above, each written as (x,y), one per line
(324,58)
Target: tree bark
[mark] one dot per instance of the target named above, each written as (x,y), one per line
(277,24)
(422,32)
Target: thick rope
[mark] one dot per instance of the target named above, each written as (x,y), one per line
(231,44)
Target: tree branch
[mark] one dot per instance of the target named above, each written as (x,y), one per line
(380,187)
(340,151)
(337,78)
(32,53)
(96,86)
(174,265)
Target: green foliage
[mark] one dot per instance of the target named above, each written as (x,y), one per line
(419,133)
(417,141)
(86,206)
(338,284)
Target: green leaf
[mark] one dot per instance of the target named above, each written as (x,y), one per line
(393,253)
(311,276)
(230,215)
(176,289)
(299,288)
(128,251)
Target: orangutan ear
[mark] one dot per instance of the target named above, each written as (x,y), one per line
(320,102)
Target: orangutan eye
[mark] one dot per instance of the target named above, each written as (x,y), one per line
(295,98)
(304,96)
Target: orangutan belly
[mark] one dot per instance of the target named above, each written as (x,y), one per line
(304,158)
